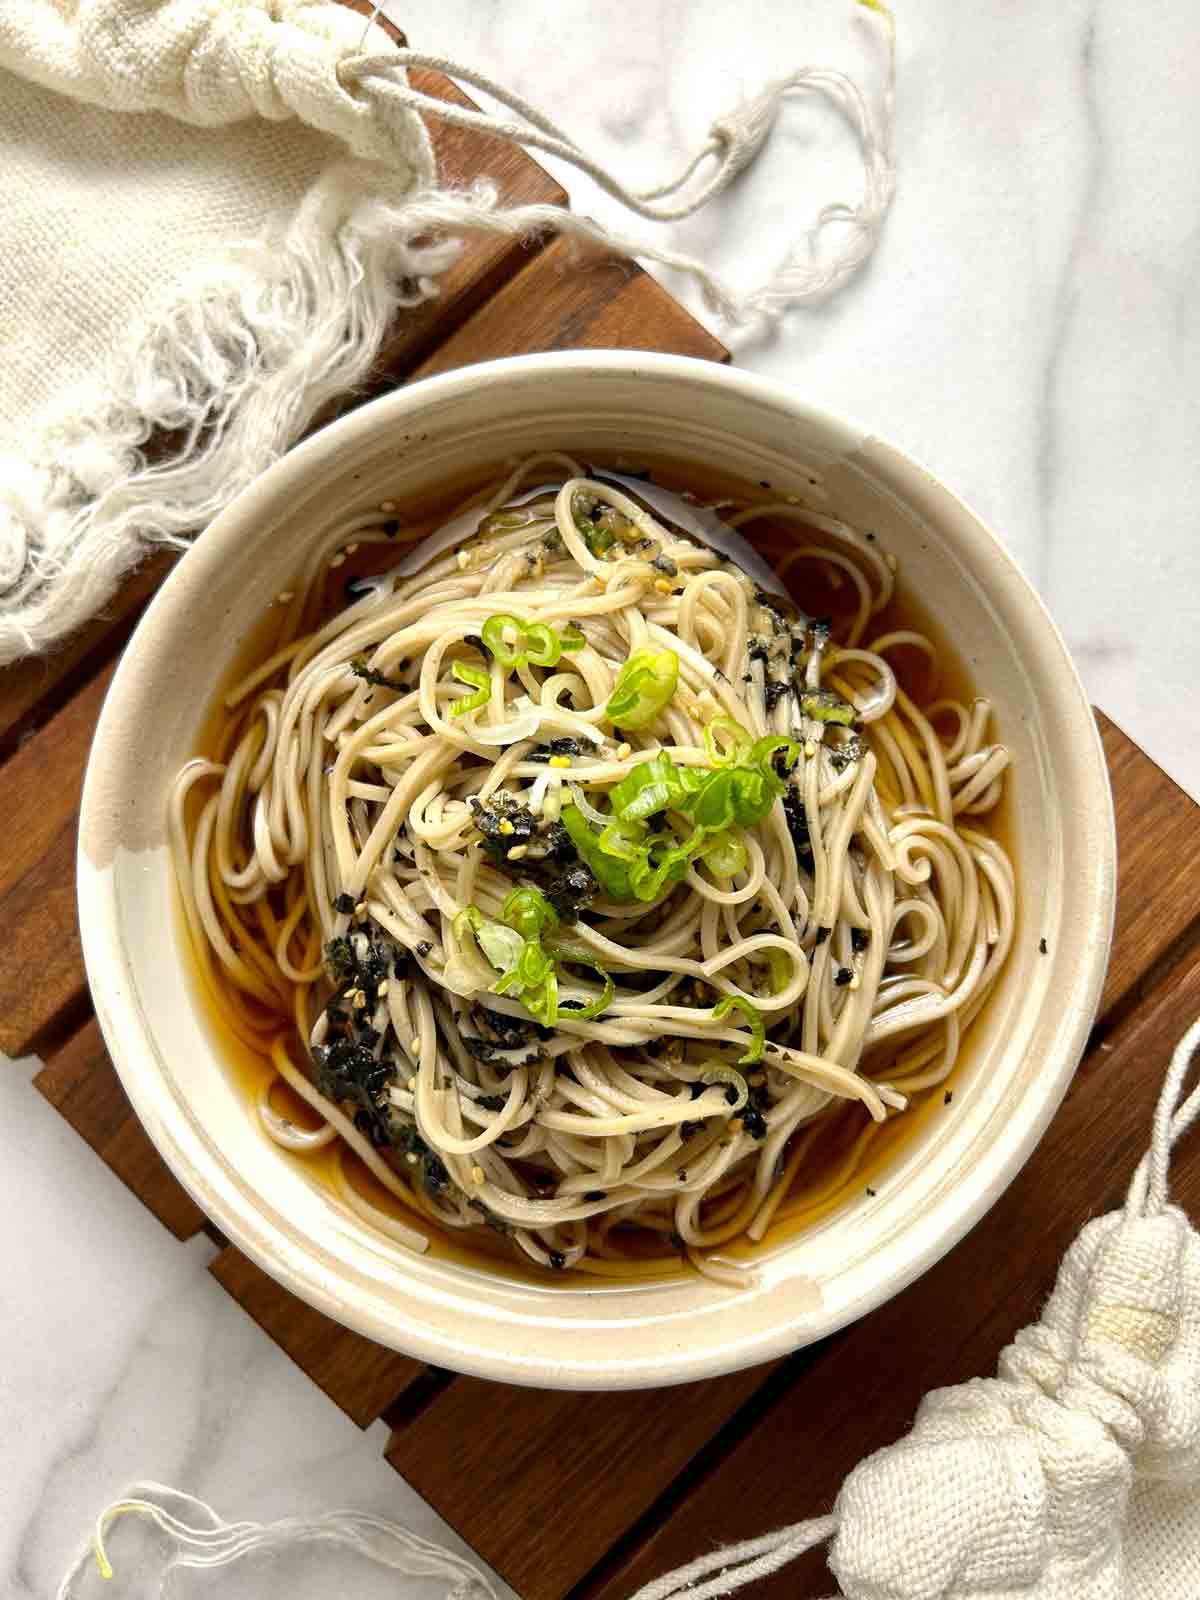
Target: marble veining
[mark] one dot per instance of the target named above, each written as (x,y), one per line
(1030,328)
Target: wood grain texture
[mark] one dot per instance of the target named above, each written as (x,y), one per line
(41,963)
(590,1495)
(949,1326)
(1158,857)
(81,1082)
(362,1378)
(861,1386)
(542,1483)
(570,299)
(31,690)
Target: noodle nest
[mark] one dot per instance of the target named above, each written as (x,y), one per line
(579,886)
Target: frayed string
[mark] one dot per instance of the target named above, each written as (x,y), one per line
(247,351)
(733,141)
(201,1539)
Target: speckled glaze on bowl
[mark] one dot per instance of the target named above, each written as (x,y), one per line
(614,1335)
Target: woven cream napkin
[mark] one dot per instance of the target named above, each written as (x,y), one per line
(212,211)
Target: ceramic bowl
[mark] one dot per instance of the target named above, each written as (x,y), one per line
(1023,1050)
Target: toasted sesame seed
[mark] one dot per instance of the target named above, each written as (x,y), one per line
(351,548)
(414,1047)
(411,1159)
(559,761)
(288,594)
(387,505)
(506,826)
(855,982)
(338,561)
(412,1086)
(810,749)
(360,908)
(382,989)
(664,585)
(624,751)
(464,560)
(477,1174)
(518,852)
(891,562)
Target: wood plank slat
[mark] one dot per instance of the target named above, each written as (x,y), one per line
(361,1377)
(41,962)
(81,1082)
(503,1464)
(569,298)
(1158,855)
(30,687)
(863,1389)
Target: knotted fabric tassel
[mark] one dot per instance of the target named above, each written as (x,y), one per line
(733,141)
(1021,1485)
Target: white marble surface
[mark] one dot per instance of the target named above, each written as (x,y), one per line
(1030,328)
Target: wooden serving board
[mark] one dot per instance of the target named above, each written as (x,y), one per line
(651,1479)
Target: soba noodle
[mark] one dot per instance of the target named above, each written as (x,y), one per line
(575,882)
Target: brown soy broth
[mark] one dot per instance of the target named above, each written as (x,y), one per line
(814,594)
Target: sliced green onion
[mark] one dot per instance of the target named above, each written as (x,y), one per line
(665,861)
(501,946)
(594,1008)
(612,875)
(644,685)
(753,1015)
(737,736)
(717,1072)
(529,912)
(725,855)
(654,786)
(492,633)
(763,751)
(534,643)
(542,646)
(526,967)
(624,841)
(479,681)
(823,705)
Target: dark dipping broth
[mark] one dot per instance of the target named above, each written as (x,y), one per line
(842,1154)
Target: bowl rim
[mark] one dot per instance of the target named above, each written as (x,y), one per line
(127,1035)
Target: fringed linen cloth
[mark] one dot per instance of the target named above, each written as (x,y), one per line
(211,213)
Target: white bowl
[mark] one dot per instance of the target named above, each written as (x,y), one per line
(614,1335)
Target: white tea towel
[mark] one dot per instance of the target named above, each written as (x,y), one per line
(211,212)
